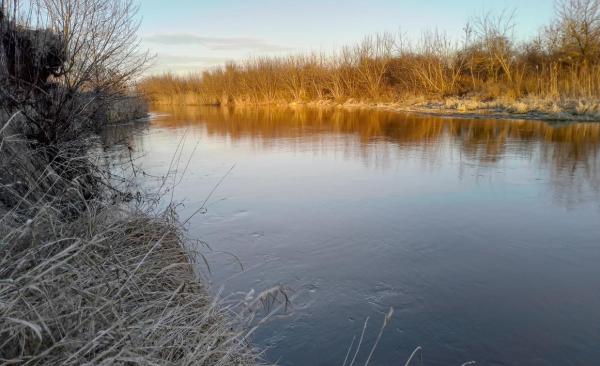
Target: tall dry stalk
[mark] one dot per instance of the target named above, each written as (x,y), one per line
(562,62)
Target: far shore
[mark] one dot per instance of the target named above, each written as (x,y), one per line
(572,110)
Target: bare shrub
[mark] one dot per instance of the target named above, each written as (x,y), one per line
(563,61)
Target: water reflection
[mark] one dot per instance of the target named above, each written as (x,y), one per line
(569,152)
(458,224)
(127,134)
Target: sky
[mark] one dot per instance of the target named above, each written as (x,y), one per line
(194,35)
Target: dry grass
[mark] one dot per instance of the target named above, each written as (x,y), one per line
(87,279)
(528,107)
(113,287)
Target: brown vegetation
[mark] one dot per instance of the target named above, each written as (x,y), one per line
(111,286)
(562,63)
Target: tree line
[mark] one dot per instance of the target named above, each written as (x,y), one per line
(562,61)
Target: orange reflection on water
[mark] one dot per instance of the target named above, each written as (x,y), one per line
(569,152)
(484,139)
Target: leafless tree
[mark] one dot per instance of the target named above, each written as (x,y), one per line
(579,28)
(495,37)
(68,61)
(101,42)
(374,55)
(437,69)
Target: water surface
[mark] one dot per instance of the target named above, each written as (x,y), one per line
(483,235)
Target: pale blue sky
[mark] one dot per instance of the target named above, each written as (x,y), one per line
(189,35)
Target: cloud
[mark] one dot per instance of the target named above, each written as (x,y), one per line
(215,43)
(184,63)
(187,60)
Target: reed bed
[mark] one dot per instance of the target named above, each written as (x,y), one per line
(560,68)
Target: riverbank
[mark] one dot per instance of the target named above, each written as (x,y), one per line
(90,276)
(567,110)
(529,108)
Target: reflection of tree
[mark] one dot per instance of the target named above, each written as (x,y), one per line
(117,141)
(569,151)
(124,134)
(573,156)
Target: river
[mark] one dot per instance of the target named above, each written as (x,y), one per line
(483,235)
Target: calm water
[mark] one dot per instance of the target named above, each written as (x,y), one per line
(483,235)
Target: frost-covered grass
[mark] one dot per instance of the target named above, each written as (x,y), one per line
(88,278)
